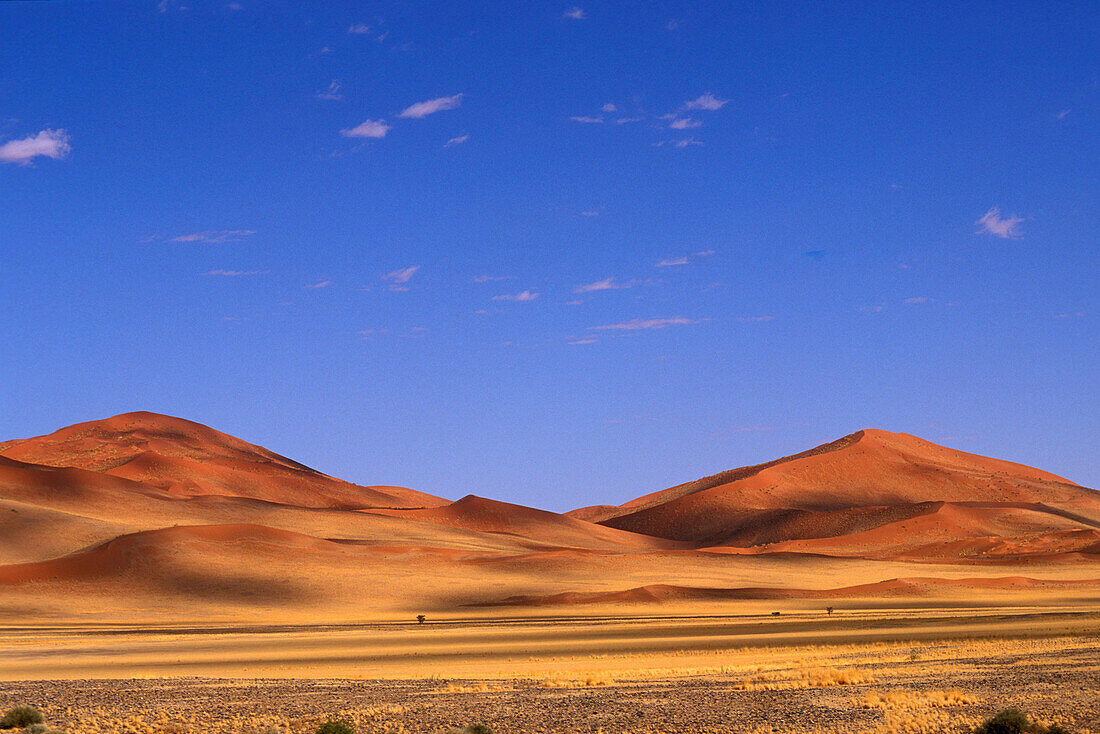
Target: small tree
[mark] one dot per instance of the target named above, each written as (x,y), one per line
(420,618)
(828,610)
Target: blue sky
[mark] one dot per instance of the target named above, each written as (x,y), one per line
(551,253)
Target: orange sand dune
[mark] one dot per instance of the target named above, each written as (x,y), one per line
(189,458)
(539,526)
(868,468)
(901,587)
(147,516)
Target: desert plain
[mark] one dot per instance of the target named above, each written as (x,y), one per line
(157,575)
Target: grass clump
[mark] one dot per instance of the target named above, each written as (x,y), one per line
(335,726)
(1015,721)
(20,717)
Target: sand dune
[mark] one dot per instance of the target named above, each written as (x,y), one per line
(150,517)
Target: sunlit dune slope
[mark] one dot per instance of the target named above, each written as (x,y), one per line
(187,459)
(866,479)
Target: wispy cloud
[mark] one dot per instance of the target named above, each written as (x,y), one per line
(589,340)
(47,144)
(684,259)
(521,296)
(684,123)
(706,102)
(590,213)
(609,108)
(398,278)
(235,273)
(583,118)
(458,140)
(1074,314)
(755,319)
(607,284)
(574,13)
(216,235)
(332,92)
(360,29)
(1003,227)
(431,106)
(1062,115)
(917,299)
(491,278)
(688,141)
(367,129)
(368,333)
(319,284)
(625,120)
(638,324)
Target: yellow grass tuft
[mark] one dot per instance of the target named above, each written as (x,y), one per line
(813,678)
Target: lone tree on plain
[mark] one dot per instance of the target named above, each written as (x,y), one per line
(828,610)
(420,618)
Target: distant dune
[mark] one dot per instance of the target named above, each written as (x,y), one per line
(152,517)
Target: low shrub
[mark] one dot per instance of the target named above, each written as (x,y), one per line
(335,726)
(20,716)
(1015,721)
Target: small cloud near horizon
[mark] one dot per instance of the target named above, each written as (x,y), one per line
(683,259)
(754,319)
(609,108)
(706,102)
(519,297)
(398,278)
(332,92)
(457,140)
(684,123)
(367,129)
(319,284)
(574,13)
(216,235)
(639,324)
(607,284)
(236,273)
(492,278)
(917,299)
(430,107)
(47,144)
(585,119)
(1004,227)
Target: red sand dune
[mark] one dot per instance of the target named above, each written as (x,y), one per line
(866,469)
(89,510)
(186,458)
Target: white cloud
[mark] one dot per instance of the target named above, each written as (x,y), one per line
(625,120)
(367,129)
(684,123)
(359,29)
(491,278)
(235,6)
(216,235)
(47,143)
(404,275)
(368,333)
(706,102)
(458,140)
(917,299)
(521,296)
(607,284)
(431,106)
(332,92)
(235,273)
(752,319)
(609,108)
(637,324)
(1062,115)
(590,213)
(575,13)
(319,284)
(589,340)
(673,261)
(583,118)
(992,223)
(686,142)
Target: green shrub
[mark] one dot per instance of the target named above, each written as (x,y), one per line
(36,729)
(1015,721)
(335,726)
(20,716)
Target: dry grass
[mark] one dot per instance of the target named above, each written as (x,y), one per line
(813,678)
(588,681)
(908,700)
